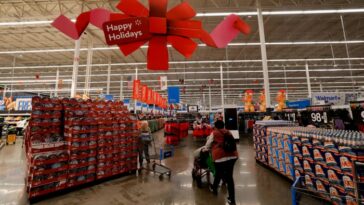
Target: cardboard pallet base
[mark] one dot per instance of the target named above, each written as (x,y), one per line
(79,187)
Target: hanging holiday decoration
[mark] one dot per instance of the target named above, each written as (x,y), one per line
(137,25)
(248,101)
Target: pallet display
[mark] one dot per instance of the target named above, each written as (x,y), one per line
(46,148)
(327,160)
(175,130)
(71,142)
(274,148)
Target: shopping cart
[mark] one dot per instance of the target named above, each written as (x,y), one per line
(203,166)
(165,152)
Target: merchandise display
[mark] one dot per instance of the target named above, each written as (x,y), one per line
(202,131)
(274,148)
(175,130)
(329,161)
(156,124)
(100,140)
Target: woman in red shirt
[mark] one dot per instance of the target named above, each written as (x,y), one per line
(224,161)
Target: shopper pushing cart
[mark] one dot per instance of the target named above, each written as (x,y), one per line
(224,155)
(165,151)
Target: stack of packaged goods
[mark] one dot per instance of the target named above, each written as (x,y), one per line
(273,147)
(71,142)
(327,160)
(280,155)
(117,140)
(46,148)
(80,130)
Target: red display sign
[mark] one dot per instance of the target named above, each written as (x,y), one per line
(126,30)
(150,94)
(144,93)
(136,89)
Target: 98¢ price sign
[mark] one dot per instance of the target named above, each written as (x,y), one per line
(319,117)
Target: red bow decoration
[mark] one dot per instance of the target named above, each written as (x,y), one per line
(174,27)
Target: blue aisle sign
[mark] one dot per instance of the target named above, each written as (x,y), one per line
(173,95)
(2,105)
(299,104)
(23,104)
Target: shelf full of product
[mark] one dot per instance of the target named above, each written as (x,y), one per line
(175,130)
(202,130)
(71,142)
(156,124)
(329,161)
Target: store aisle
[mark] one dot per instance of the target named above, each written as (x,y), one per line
(12,174)
(255,185)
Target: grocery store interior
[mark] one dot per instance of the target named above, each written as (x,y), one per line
(117,102)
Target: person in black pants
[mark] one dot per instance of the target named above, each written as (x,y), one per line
(224,161)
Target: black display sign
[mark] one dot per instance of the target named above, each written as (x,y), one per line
(290,114)
(319,115)
(357,109)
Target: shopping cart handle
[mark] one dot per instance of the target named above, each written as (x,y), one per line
(298,180)
(293,190)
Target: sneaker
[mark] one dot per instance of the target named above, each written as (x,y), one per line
(229,201)
(212,190)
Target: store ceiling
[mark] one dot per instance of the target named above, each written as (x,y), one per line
(33,50)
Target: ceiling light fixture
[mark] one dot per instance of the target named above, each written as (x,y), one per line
(218,14)
(200,45)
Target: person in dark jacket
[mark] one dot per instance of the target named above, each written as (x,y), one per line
(224,162)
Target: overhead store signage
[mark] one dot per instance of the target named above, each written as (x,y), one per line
(319,115)
(357,109)
(300,104)
(130,30)
(136,88)
(23,104)
(163,82)
(173,95)
(146,95)
(126,30)
(328,98)
(2,105)
(192,108)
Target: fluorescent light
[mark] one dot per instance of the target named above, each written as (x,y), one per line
(24,23)
(200,45)
(218,14)
(31,81)
(189,62)
(53,90)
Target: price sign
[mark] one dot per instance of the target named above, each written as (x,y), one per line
(319,116)
(357,108)
(290,114)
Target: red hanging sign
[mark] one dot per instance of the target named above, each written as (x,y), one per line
(155,96)
(144,95)
(126,30)
(136,89)
(150,95)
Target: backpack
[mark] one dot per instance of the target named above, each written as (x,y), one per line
(229,144)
